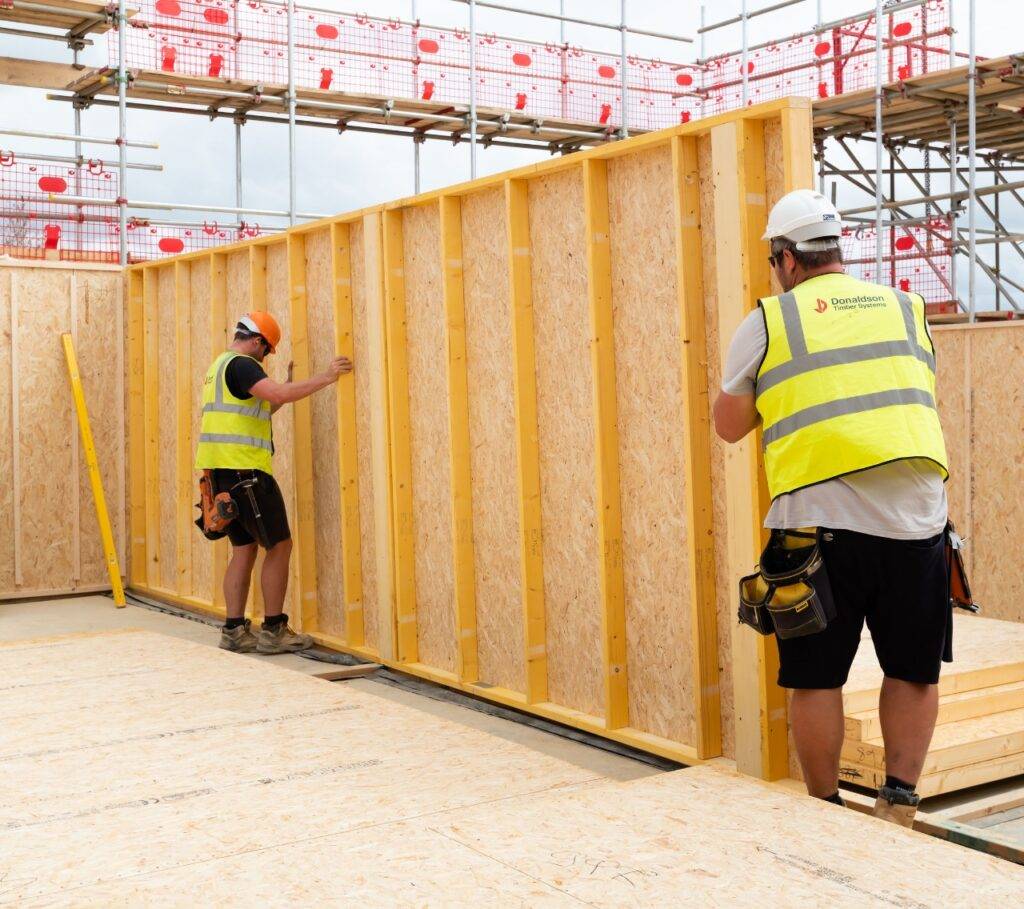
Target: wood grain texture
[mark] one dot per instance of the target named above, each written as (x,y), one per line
(204,348)
(239,287)
(7,491)
(428,422)
(953,395)
(363,373)
(651,454)
(566,432)
(324,419)
(166,380)
(499,613)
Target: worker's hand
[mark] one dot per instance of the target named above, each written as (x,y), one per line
(291,370)
(339,366)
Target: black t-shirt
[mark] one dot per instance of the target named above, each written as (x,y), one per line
(241,374)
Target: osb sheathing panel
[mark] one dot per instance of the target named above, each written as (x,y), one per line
(428,420)
(167,397)
(98,308)
(276,367)
(565,423)
(364,374)
(493,465)
(201,355)
(952,393)
(6,436)
(239,287)
(651,409)
(997,469)
(724,601)
(324,417)
(58,545)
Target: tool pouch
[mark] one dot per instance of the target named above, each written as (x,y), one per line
(790,594)
(215,511)
(959,588)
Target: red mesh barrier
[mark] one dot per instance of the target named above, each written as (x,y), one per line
(917,258)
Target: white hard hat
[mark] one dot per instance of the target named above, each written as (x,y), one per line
(804,216)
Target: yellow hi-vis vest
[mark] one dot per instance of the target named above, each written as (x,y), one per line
(847,382)
(235,432)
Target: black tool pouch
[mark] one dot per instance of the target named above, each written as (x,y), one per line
(790,595)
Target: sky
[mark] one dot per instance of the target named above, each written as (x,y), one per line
(340,173)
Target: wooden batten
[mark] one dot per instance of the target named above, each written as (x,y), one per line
(152,424)
(137,574)
(183,434)
(218,341)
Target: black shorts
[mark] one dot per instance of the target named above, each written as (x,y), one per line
(901,588)
(243,531)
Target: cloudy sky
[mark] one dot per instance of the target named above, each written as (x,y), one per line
(338,173)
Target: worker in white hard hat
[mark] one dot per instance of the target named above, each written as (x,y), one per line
(840,376)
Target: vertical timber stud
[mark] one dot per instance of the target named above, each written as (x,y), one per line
(450,208)
(136,430)
(606,438)
(517,216)
(218,343)
(258,303)
(376,359)
(401,453)
(737,155)
(697,423)
(151,422)
(183,434)
(348,468)
(305,500)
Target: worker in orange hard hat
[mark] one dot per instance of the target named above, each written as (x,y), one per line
(235,451)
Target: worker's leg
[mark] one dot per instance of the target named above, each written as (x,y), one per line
(907,711)
(275,577)
(237,578)
(816,717)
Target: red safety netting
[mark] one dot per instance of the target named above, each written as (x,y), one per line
(915,258)
(834,62)
(385,58)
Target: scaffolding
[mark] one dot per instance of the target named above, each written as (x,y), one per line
(887,78)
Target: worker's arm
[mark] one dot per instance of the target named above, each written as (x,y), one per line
(278,393)
(735,412)
(735,416)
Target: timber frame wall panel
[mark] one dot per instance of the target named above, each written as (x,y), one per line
(49,538)
(517,493)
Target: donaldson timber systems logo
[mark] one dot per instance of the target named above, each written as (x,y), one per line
(852,304)
(822,305)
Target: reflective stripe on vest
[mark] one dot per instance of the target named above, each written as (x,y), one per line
(846,384)
(236,433)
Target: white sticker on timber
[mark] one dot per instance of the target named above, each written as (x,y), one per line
(467,633)
(756,199)
(537,651)
(406,619)
(353,607)
(299,288)
(690,222)
(521,251)
(779,713)
(343,282)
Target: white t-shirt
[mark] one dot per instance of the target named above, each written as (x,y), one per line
(903,500)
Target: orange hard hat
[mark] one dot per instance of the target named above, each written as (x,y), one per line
(264,325)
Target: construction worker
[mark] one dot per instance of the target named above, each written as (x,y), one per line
(236,444)
(840,375)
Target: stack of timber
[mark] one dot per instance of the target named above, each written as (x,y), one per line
(980,733)
(516,493)
(241,783)
(49,539)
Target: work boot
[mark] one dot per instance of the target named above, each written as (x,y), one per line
(238,639)
(897,806)
(281,639)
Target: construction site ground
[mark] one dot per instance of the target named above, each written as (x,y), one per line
(150,767)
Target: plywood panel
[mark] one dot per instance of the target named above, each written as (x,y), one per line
(725,616)
(6,436)
(996,381)
(324,417)
(363,372)
(201,355)
(167,372)
(565,425)
(952,377)
(651,453)
(276,367)
(98,306)
(47,483)
(428,412)
(493,466)
(239,287)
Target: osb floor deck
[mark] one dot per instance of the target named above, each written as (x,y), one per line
(140,769)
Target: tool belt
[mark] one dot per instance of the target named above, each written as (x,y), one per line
(959,588)
(790,594)
(216,511)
